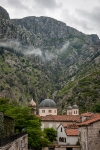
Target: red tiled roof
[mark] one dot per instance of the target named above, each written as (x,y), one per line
(72,132)
(72,118)
(69,126)
(92,120)
(88,114)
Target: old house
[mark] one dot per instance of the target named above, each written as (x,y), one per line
(90,133)
(47,107)
(55,120)
(8,139)
(68,134)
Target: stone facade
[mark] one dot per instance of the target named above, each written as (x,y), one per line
(18,144)
(6,125)
(47,111)
(55,120)
(73,110)
(52,124)
(90,136)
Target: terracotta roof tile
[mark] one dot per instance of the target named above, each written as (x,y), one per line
(88,114)
(69,126)
(73,118)
(92,120)
(72,132)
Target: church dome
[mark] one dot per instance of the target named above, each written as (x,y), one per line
(75,106)
(47,103)
(69,107)
(32,103)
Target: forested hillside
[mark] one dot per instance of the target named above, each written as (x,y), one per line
(41,57)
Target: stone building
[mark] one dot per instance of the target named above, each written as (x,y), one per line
(55,120)
(68,134)
(9,140)
(6,125)
(90,133)
(14,142)
(47,107)
(73,110)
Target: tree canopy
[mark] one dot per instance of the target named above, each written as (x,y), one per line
(51,134)
(25,120)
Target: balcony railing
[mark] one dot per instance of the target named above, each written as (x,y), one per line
(8,139)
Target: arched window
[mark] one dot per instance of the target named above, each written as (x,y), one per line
(60,139)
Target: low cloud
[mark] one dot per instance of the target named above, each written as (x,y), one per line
(30,50)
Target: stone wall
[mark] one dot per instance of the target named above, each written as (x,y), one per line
(6,125)
(18,144)
(90,136)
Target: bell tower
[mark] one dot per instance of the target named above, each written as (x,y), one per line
(32,105)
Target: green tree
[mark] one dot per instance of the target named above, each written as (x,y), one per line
(96,108)
(51,134)
(24,119)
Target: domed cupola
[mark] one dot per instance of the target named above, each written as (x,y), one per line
(75,106)
(32,104)
(75,110)
(69,110)
(47,107)
(69,107)
(48,103)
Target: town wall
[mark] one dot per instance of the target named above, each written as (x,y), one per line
(18,144)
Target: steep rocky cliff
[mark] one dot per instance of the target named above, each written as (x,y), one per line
(41,57)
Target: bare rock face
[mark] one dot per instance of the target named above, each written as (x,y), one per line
(3,13)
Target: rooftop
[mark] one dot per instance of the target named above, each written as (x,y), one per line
(94,119)
(88,114)
(72,132)
(69,126)
(70,118)
(47,103)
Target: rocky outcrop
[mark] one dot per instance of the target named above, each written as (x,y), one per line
(3,13)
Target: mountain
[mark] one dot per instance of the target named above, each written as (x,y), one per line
(42,57)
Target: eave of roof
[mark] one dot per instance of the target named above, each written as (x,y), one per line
(90,121)
(64,118)
(72,132)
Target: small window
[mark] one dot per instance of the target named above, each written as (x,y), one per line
(74,112)
(50,111)
(54,111)
(61,129)
(43,111)
(65,140)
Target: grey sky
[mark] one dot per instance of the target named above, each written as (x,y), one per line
(84,15)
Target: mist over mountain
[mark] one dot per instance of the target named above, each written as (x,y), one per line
(42,57)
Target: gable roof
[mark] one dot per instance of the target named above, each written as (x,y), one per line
(87,114)
(70,126)
(68,118)
(72,132)
(93,119)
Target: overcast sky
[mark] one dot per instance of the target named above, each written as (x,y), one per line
(83,15)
